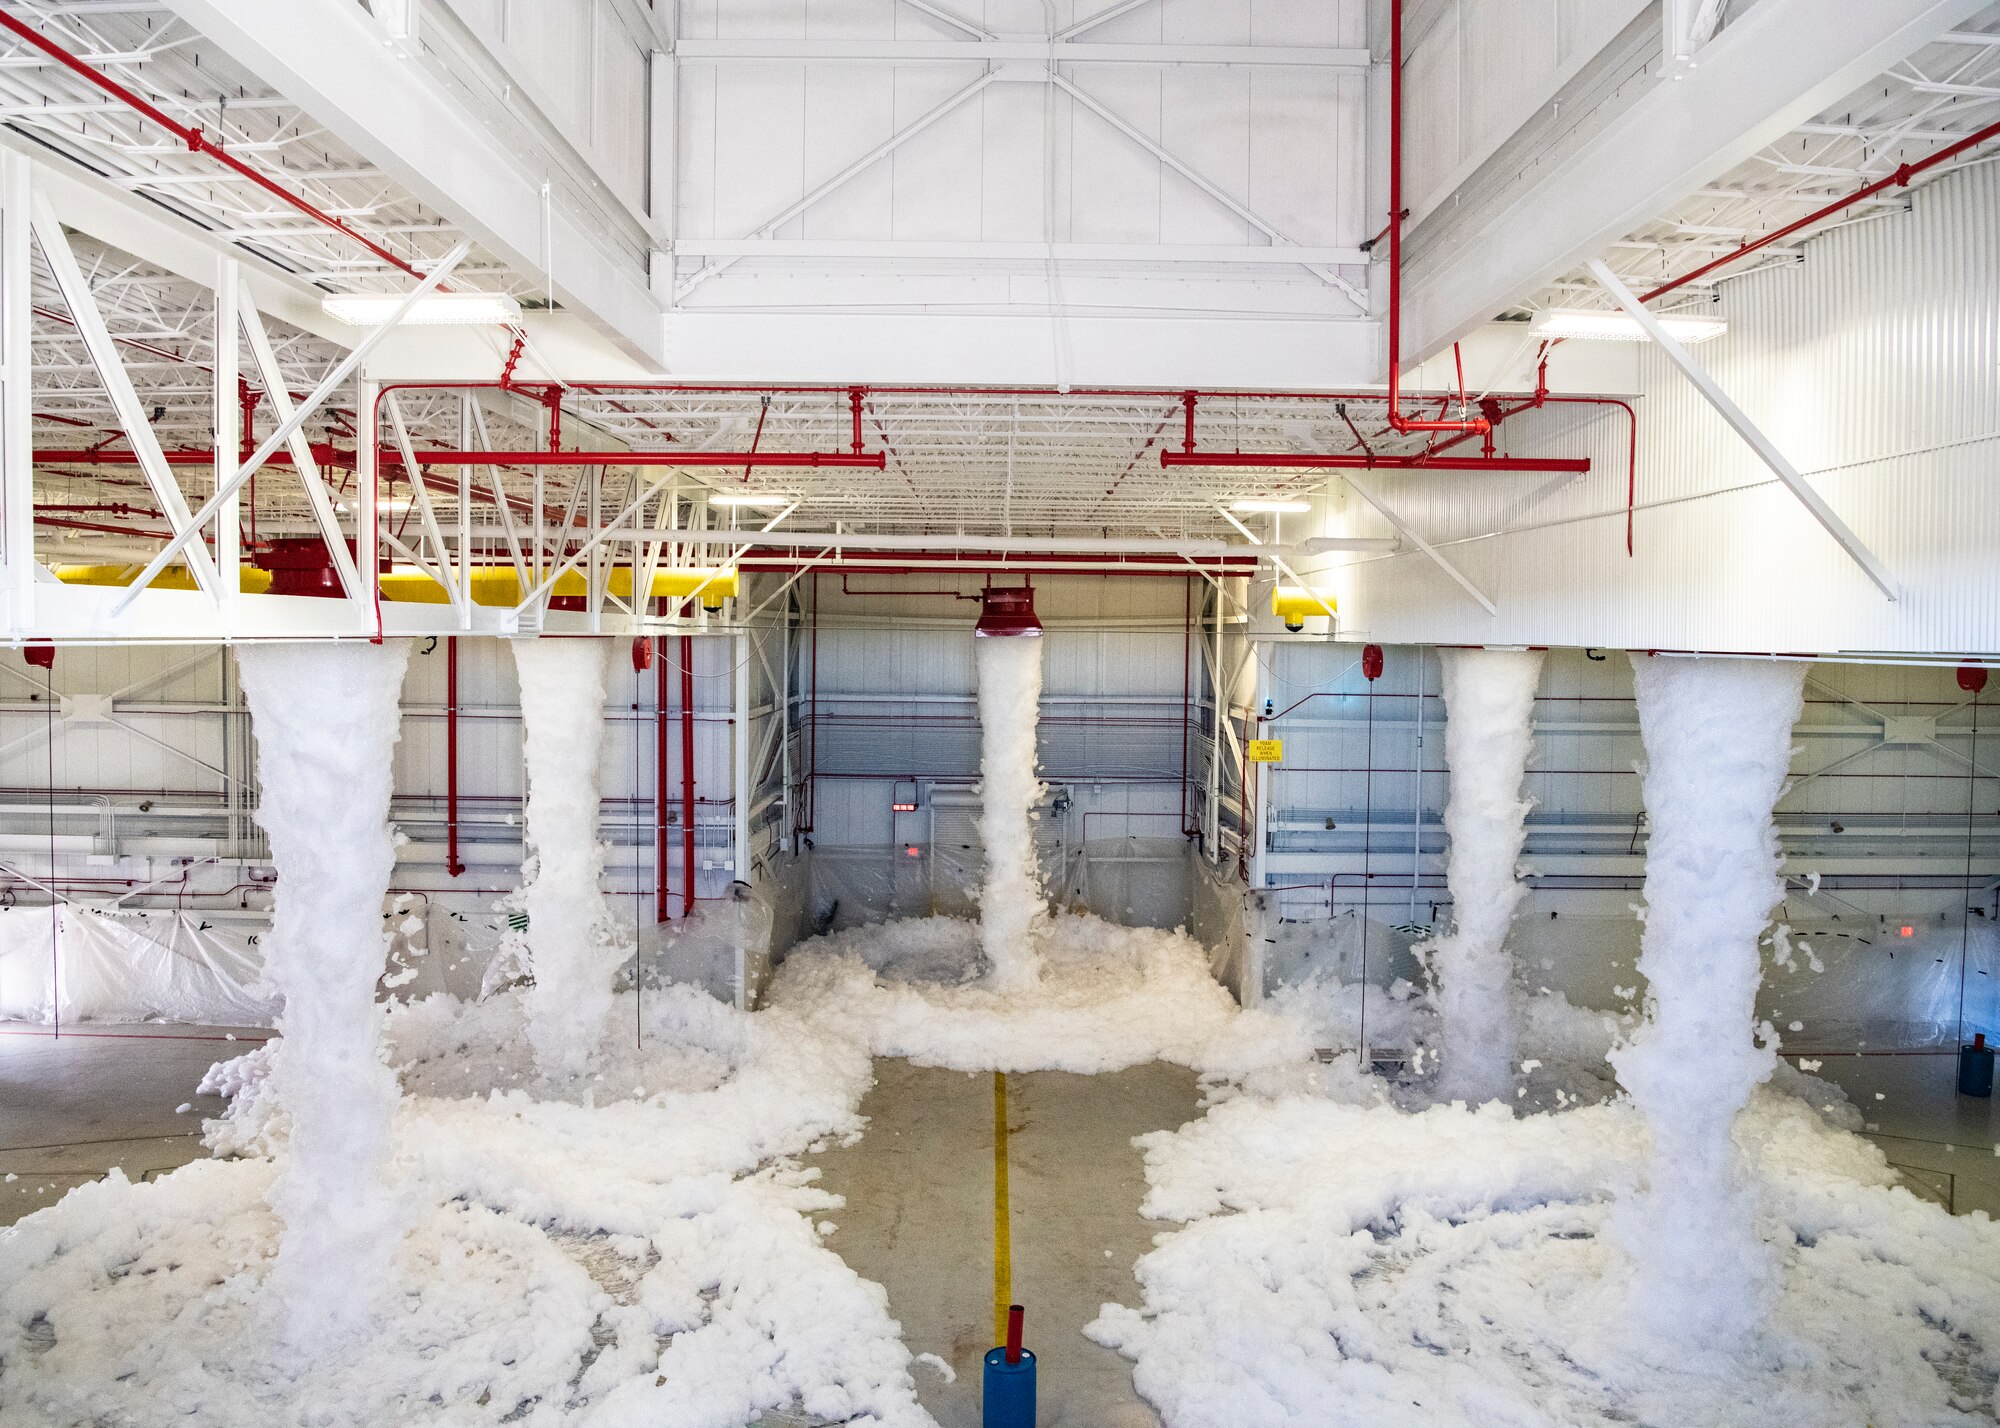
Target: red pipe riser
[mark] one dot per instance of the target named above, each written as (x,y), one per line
(662,894)
(687,775)
(451,862)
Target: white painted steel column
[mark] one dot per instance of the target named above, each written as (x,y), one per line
(367,564)
(17,446)
(739,754)
(228,436)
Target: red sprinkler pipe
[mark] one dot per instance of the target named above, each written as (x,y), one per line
(861,460)
(195,140)
(662,894)
(1396,214)
(687,775)
(1349,461)
(452,865)
(1900,178)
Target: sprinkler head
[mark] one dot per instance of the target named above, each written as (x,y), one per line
(1008,611)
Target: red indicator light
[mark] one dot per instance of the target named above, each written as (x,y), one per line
(902,808)
(1907,931)
(911,852)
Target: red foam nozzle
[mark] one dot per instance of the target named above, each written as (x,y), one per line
(1015,1313)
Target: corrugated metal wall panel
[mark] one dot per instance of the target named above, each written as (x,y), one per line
(1875,365)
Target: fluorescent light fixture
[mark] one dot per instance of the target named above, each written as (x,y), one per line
(1272,503)
(761,500)
(1606,325)
(431,310)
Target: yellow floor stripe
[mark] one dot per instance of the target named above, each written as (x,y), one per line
(1003,1249)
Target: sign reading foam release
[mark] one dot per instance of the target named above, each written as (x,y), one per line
(1267,751)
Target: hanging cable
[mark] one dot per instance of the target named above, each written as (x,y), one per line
(55,903)
(1371,671)
(1973,681)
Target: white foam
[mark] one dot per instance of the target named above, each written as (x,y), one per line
(1012,903)
(1489,700)
(325,717)
(572,949)
(1718,743)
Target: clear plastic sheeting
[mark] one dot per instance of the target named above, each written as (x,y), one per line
(83,964)
(1133,881)
(1836,986)
(725,949)
(1217,918)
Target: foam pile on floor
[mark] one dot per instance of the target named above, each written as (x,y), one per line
(637,1248)
(1346,1264)
(1109,997)
(1706,1245)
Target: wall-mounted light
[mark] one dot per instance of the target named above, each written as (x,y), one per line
(1272,504)
(1604,325)
(430,310)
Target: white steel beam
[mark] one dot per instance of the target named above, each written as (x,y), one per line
(303,463)
(184,531)
(228,427)
(860,166)
(83,310)
(956,22)
(1091,22)
(17,474)
(920,250)
(394,114)
(1773,67)
(1015,51)
(1206,185)
(1388,513)
(1753,437)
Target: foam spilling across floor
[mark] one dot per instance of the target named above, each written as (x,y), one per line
(642,1246)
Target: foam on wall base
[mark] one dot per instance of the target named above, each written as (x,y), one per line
(1012,903)
(326,720)
(1489,700)
(1718,739)
(571,949)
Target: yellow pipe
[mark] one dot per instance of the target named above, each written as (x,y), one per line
(497,585)
(250,580)
(491,585)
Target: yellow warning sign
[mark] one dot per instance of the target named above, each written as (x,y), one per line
(1267,751)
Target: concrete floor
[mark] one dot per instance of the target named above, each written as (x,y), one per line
(72,1107)
(1942,1142)
(919,1221)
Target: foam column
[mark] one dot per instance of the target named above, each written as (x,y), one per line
(1718,744)
(571,953)
(1489,698)
(325,717)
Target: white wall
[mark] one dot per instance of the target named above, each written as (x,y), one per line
(1874,365)
(1474,71)
(584,65)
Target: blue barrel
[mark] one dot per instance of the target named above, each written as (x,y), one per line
(1975,1068)
(1009,1400)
